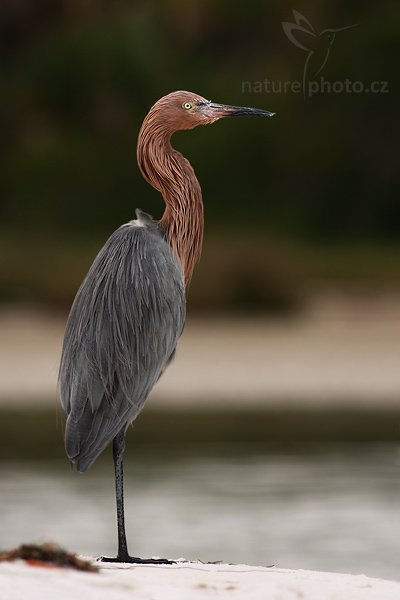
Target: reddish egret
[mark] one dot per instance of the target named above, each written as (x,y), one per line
(129,312)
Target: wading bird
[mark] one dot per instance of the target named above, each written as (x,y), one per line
(129,312)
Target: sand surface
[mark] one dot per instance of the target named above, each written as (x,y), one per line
(188,581)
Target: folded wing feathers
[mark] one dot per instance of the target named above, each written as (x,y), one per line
(123,327)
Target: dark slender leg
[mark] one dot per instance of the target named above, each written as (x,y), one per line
(123,554)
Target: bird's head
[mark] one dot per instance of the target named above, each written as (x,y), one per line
(186,110)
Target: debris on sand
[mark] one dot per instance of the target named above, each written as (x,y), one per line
(48,556)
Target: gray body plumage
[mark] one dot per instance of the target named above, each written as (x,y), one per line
(121,333)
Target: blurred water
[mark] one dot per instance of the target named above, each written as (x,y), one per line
(335,508)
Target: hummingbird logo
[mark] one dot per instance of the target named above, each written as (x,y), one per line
(317,45)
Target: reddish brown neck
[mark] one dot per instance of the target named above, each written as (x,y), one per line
(172,175)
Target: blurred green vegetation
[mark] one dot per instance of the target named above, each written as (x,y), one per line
(311,193)
(38,433)
(236,275)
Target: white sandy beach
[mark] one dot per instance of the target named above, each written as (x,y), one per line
(188,581)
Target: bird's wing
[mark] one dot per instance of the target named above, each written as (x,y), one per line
(122,330)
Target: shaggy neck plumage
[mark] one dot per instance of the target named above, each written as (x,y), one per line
(171,174)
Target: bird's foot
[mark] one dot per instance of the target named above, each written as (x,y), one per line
(134,560)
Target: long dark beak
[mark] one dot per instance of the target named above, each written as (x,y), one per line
(224,110)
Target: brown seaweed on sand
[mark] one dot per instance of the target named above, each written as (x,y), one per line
(48,556)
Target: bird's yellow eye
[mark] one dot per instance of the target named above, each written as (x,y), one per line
(187,105)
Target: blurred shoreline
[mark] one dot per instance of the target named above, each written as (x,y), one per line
(339,352)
